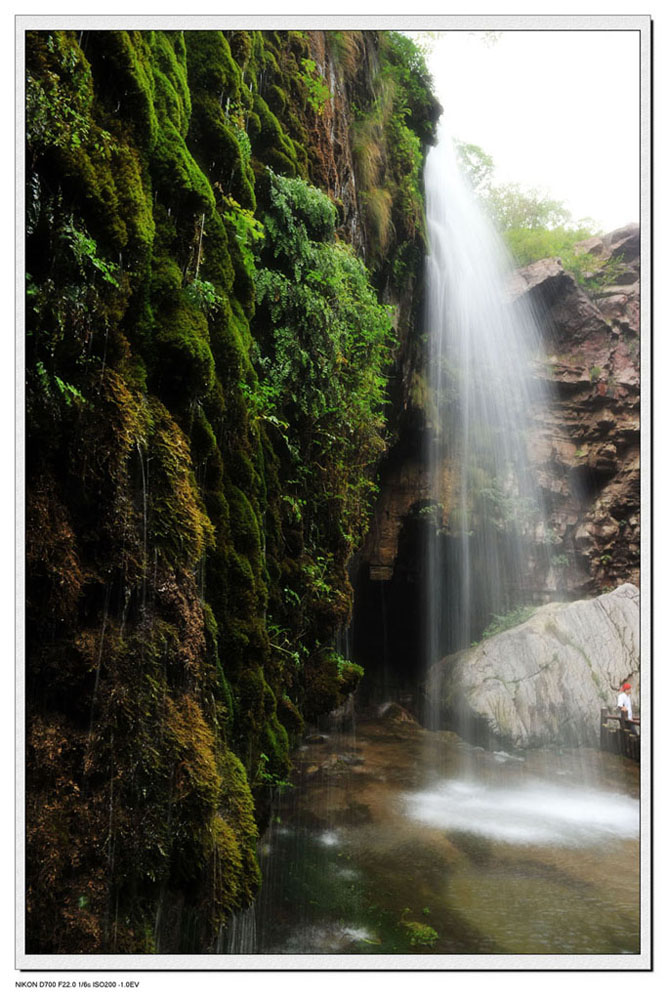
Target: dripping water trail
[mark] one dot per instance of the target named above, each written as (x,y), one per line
(240,937)
(385,693)
(144,488)
(98,666)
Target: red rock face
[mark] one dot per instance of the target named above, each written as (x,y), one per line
(587,446)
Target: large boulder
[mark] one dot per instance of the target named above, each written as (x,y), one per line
(544,682)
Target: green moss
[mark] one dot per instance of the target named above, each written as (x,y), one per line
(276,100)
(241,47)
(174,169)
(291,719)
(178,527)
(190,527)
(183,359)
(125,60)
(211,65)
(420,935)
(51,550)
(329,681)
(177,176)
(244,527)
(134,204)
(216,263)
(270,144)
(237,807)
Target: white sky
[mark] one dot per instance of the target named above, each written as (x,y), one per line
(557,110)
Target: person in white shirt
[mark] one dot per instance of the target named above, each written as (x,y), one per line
(624,704)
(624,701)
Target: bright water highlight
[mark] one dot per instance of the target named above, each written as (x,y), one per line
(497,853)
(536,813)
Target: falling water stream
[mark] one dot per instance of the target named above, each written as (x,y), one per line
(397,839)
(483,395)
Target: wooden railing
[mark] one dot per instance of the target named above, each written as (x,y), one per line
(619,735)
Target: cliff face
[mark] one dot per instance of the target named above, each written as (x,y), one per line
(206,364)
(584,447)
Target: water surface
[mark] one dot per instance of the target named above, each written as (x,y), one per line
(404,841)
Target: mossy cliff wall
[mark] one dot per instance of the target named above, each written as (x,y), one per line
(207,364)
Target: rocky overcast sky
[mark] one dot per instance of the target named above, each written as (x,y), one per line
(557,110)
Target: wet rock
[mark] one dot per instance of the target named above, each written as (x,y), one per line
(315,738)
(544,682)
(394,712)
(339,763)
(502,757)
(586,446)
(355,814)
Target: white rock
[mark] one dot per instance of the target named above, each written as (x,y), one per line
(544,682)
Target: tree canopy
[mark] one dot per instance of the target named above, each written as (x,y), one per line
(533,224)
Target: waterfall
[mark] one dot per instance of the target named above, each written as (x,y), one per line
(485,507)
(240,938)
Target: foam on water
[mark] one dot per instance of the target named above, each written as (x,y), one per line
(329,838)
(535,813)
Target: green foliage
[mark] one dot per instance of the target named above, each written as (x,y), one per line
(476,164)
(315,85)
(535,226)
(299,217)
(59,99)
(419,935)
(502,622)
(324,354)
(265,777)
(330,680)
(592,273)
(388,132)
(203,295)
(527,245)
(84,249)
(492,504)
(513,207)
(198,475)
(408,67)
(249,232)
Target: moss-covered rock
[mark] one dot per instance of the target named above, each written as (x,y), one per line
(190,521)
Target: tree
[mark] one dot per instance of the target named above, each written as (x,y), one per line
(476,164)
(512,207)
(533,224)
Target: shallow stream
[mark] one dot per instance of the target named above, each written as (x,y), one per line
(396,840)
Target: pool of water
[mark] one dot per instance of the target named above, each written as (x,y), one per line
(396,840)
